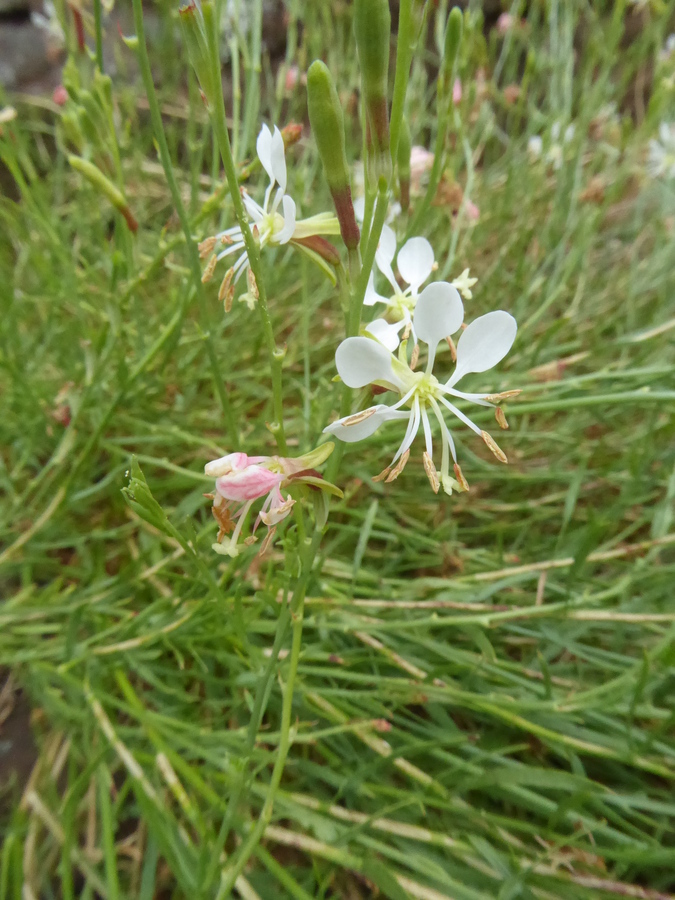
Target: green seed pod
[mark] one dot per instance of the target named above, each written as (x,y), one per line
(372,29)
(453,37)
(327,121)
(403,163)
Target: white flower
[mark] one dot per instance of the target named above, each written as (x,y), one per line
(415,263)
(361,361)
(554,153)
(661,159)
(535,146)
(274,222)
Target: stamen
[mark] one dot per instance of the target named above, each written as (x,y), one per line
(501,418)
(415,357)
(459,475)
(383,474)
(226,291)
(252,284)
(225,239)
(206,247)
(398,468)
(269,537)
(359,416)
(505,395)
(453,350)
(432,474)
(494,448)
(210,269)
(406,331)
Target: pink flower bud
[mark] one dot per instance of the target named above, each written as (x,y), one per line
(504,23)
(60,95)
(472,211)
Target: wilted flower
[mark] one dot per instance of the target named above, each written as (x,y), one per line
(242,479)
(361,361)
(274,222)
(661,159)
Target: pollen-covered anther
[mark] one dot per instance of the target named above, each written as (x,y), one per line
(494,448)
(453,349)
(226,290)
(406,332)
(206,247)
(505,395)
(226,240)
(383,474)
(359,417)
(252,285)
(501,418)
(459,475)
(432,474)
(414,359)
(210,269)
(398,468)
(269,537)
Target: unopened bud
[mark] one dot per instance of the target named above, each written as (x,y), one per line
(494,448)
(327,121)
(104,186)
(403,163)
(192,22)
(372,28)
(320,246)
(291,134)
(453,37)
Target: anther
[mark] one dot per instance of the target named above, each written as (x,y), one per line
(383,474)
(432,474)
(206,247)
(415,357)
(359,416)
(210,269)
(226,290)
(505,395)
(494,448)
(398,468)
(501,418)
(459,475)
(252,284)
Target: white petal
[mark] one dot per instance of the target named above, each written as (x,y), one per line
(264,147)
(286,233)
(484,343)
(415,262)
(372,297)
(352,433)
(361,361)
(360,209)
(278,158)
(386,333)
(255,210)
(438,314)
(384,256)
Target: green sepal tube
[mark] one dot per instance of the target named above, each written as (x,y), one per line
(327,121)
(372,29)
(192,26)
(453,38)
(403,164)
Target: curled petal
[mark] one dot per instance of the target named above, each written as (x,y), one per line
(387,333)
(361,361)
(384,256)
(438,314)
(286,232)
(278,158)
(247,484)
(278,510)
(484,343)
(357,427)
(255,210)
(415,262)
(264,147)
(372,297)
(226,464)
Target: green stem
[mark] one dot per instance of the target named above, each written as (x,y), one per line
(404,51)
(237,864)
(98,26)
(193,252)
(252,249)
(368,258)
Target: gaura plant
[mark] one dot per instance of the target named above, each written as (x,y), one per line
(391,267)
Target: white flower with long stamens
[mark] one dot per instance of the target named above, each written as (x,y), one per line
(274,222)
(661,159)
(243,479)
(362,361)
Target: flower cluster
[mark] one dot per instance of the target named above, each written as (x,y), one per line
(361,361)
(242,479)
(274,223)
